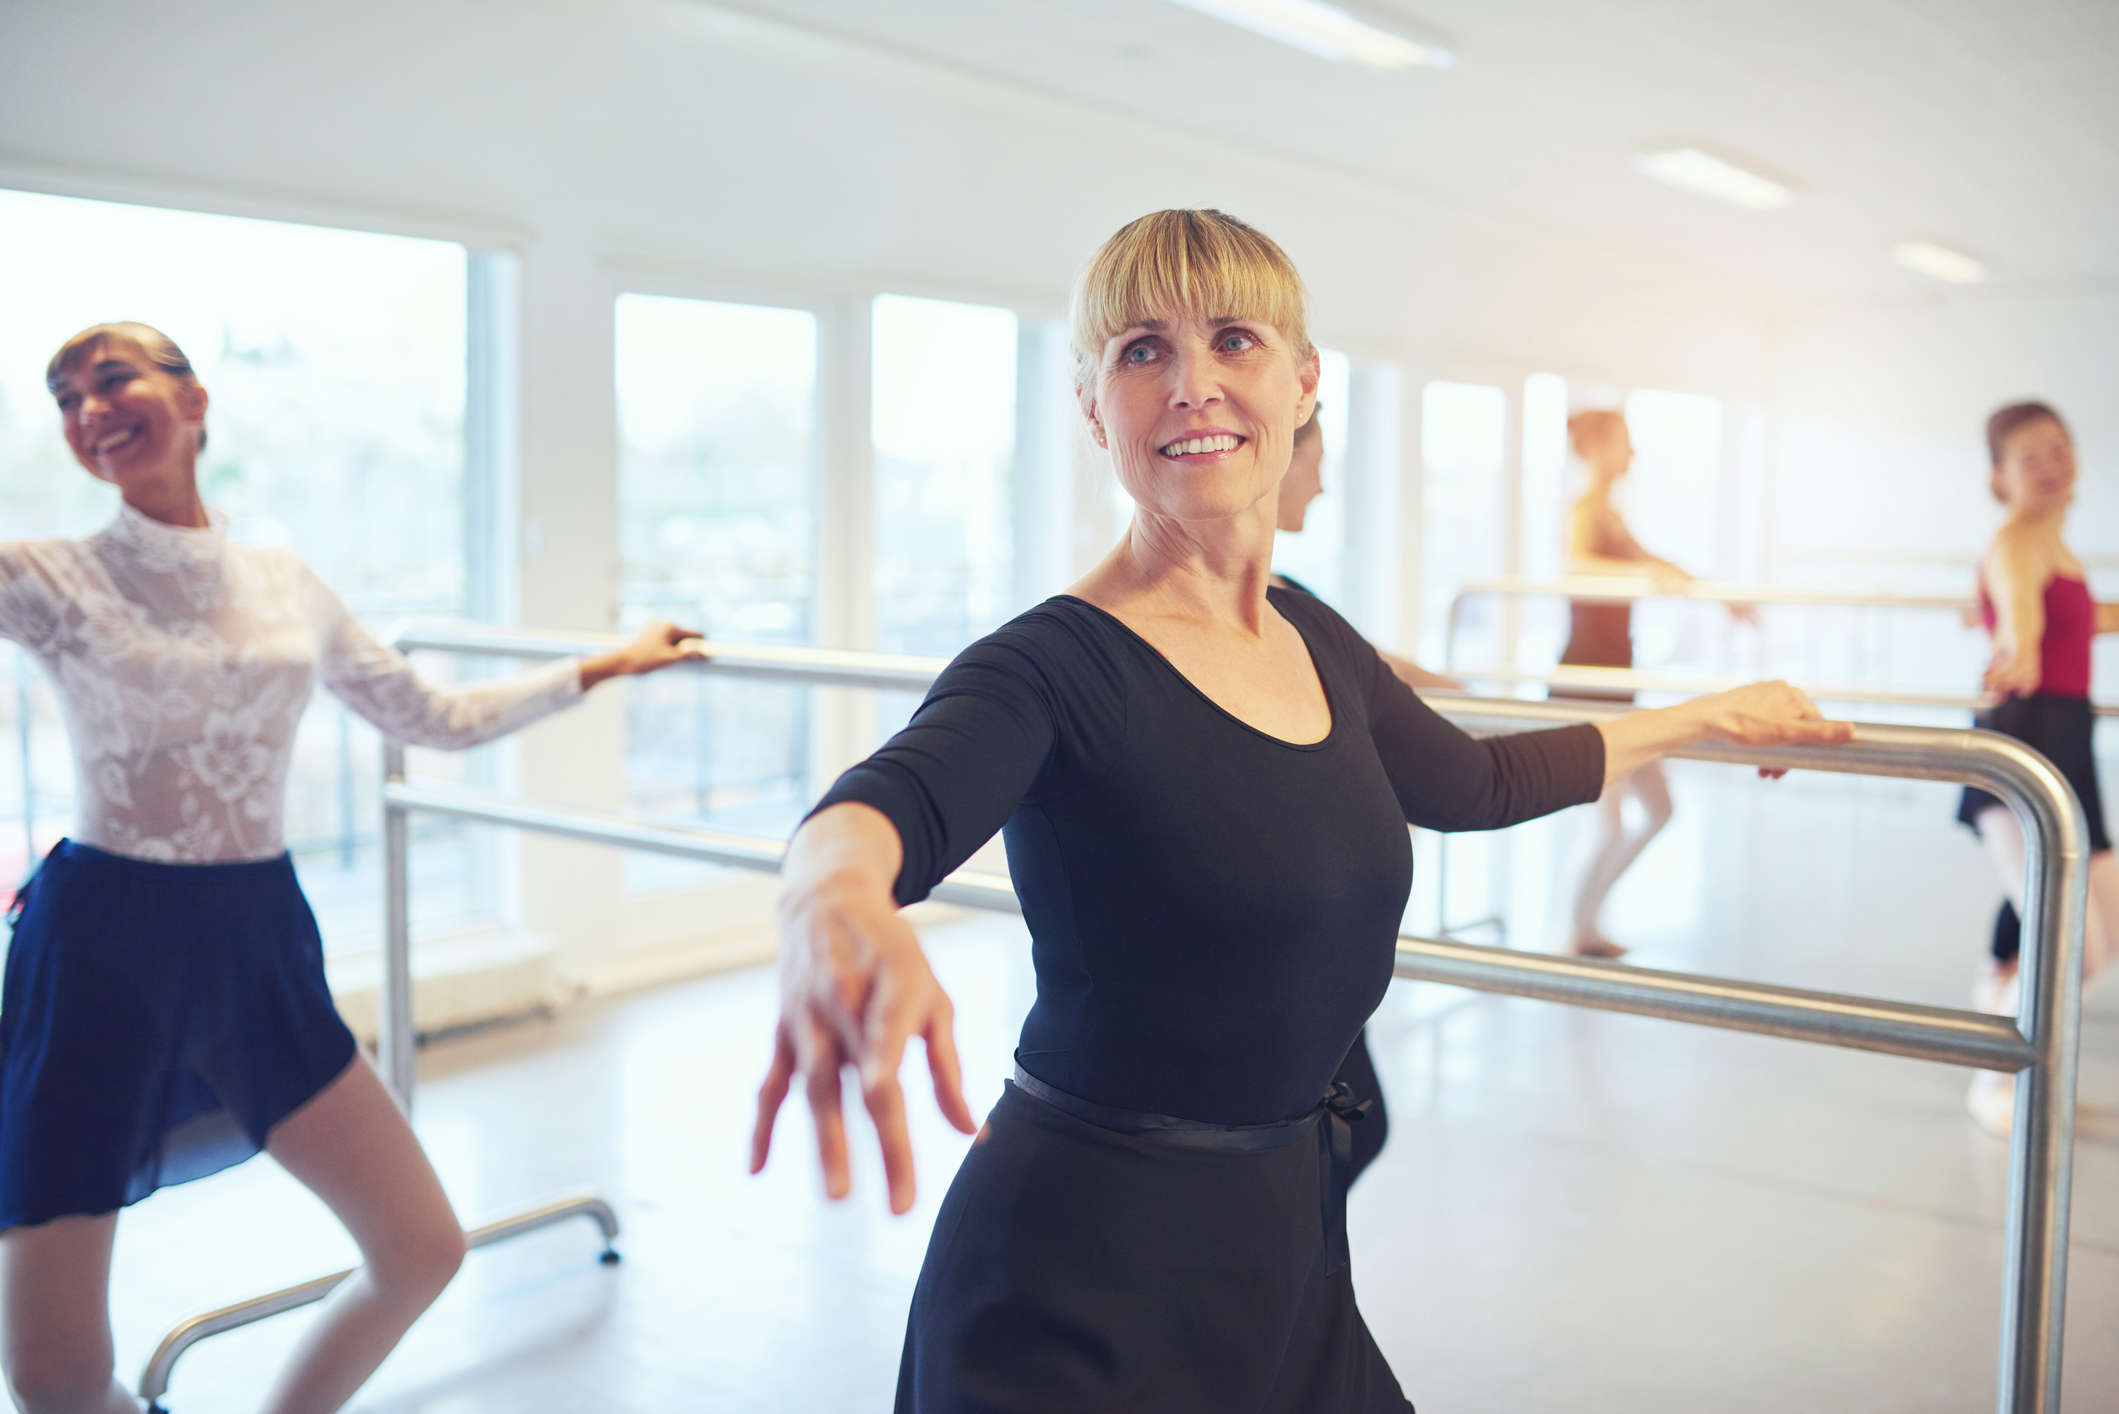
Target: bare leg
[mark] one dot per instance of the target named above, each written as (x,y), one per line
(353,1148)
(1992,1096)
(1615,851)
(55,1317)
(2101,935)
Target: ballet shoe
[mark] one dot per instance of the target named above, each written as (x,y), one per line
(1996,992)
(1596,945)
(1991,1102)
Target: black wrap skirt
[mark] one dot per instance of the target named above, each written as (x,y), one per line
(1088,1258)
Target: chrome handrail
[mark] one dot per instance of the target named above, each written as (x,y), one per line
(1580,675)
(1628,588)
(2040,1048)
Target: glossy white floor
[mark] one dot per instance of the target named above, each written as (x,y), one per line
(1576,1211)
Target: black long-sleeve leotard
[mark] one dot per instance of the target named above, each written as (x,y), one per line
(1213,911)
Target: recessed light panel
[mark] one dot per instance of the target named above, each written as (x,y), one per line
(1328,31)
(1939,262)
(1701,172)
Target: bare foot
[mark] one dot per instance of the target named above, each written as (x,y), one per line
(1595,945)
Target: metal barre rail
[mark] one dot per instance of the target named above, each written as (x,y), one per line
(1576,675)
(2040,1048)
(1625,588)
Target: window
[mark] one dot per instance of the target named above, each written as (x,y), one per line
(944,434)
(1464,515)
(1549,489)
(943,429)
(717,467)
(336,360)
(1672,502)
(1672,492)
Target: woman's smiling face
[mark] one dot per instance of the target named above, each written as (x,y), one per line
(2036,473)
(125,419)
(1199,412)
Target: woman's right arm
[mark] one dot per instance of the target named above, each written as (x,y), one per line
(854,983)
(854,987)
(2014,576)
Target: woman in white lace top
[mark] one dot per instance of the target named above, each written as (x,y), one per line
(165,1012)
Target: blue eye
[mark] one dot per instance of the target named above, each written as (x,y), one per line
(1137,353)
(1236,341)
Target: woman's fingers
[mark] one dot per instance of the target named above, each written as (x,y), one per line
(947,1070)
(892,1009)
(825,1108)
(771,1095)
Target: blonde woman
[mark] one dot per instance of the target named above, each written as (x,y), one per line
(1601,636)
(1205,783)
(166,1014)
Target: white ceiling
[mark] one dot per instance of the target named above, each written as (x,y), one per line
(1990,125)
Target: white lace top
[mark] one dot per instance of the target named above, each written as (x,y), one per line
(184,663)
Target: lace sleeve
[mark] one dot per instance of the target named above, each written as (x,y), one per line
(28,615)
(380,684)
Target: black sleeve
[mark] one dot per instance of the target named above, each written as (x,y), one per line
(1447,779)
(960,767)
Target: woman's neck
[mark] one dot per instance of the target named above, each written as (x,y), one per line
(172,502)
(2043,525)
(1219,571)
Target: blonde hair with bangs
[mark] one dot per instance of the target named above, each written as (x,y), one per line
(1204,263)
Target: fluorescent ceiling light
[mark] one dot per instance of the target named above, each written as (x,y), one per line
(1327,30)
(1939,262)
(1709,175)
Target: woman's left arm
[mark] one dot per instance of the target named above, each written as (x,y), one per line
(1762,714)
(2108,617)
(1447,779)
(381,684)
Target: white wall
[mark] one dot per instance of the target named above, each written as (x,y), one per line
(1882,461)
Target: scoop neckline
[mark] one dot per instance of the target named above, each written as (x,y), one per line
(1324,683)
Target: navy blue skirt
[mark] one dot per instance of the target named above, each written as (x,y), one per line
(157,1021)
(1075,1266)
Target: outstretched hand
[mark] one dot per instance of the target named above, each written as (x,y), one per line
(1768,714)
(854,988)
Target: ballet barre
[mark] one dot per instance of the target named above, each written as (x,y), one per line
(2039,1046)
(1628,589)
(1577,677)
(1614,589)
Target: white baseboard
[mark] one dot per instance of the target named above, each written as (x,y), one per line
(459,980)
